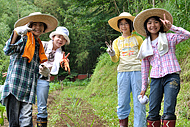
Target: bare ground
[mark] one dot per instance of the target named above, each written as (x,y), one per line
(87,117)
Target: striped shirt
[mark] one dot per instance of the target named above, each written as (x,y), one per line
(21,76)
(166,64)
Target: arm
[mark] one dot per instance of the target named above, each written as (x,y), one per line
(13,45)
(14,37)
(181,34)
(145,66)
(117,54)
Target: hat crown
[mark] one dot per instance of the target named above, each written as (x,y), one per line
(125,14)
(35,13)
(62,30)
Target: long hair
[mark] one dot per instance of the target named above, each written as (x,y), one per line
(129,22)
(157,19)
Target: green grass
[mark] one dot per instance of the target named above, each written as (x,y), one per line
(101,93)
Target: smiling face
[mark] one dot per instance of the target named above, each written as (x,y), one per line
(38,28)
(58,41)
(153,26)
(124,27)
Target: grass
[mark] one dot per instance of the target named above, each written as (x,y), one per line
(100,92)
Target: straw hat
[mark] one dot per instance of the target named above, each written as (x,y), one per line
(49,20)
(113,22)
(61,31)
(144,15)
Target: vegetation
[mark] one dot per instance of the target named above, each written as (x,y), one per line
(100,91)
(86,21)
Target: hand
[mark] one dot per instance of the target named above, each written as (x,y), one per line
(110,51)
(143,99)
(65,62)
(166,23)
(142,93)
(43,70)
(22,30)
(4,74)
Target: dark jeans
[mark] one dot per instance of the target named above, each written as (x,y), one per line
(168,85)
(19,113)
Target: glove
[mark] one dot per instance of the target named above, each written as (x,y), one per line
(64,63)
(143,100)
(22,30)
(43,70)
(111,52)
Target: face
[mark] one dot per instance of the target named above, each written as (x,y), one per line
(124,27)
(153,26)
(38,29)
(58,41)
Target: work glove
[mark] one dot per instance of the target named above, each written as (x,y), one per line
(143,100)
(64,63)
(110,50)
(22,30)
(43,70)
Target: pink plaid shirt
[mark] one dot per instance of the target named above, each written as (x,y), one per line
(166,64)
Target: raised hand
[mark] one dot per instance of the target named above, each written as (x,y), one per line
(4,74)
(166,22)
(22,30)
(110,50)
(65,62)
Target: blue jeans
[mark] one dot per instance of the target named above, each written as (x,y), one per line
(127,82)
(42,96)
(168,85)
(19,113)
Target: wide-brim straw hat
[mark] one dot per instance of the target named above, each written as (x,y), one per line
(113,22)
(61,31)
(49,20)
(144,15)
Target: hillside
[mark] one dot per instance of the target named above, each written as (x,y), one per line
(103,87)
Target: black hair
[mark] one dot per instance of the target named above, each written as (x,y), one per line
(128,21)
(157,19)
(63,48)
(45,26)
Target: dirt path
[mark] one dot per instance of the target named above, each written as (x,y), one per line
(86,119)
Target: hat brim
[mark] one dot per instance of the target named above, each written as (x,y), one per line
(58,33)
(49,20)
(144,15)
(113,22)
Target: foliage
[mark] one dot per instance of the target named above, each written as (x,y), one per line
(101,94)
(87,22)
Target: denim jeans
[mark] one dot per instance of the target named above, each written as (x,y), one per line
(19,113)
(127,82)
(42,96)
(168,85)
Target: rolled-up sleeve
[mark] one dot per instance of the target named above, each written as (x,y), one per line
(10,49)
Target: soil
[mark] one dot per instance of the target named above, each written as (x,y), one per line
(86,118)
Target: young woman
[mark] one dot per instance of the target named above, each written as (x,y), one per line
(125,49)
(158,51)
(54,52)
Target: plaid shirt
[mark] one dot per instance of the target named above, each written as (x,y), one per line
(22,76)
(166,64)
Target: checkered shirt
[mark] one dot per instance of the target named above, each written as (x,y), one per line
(21,80)
(166,64)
